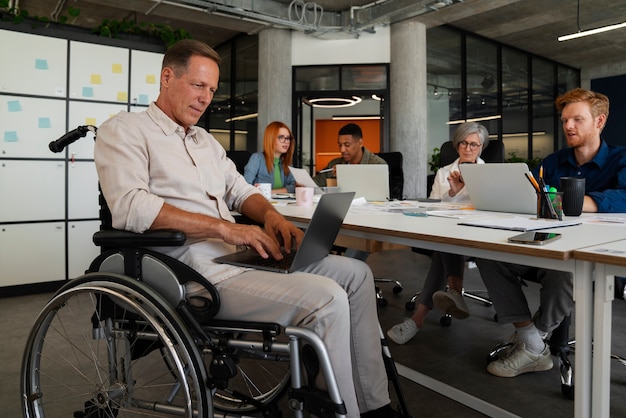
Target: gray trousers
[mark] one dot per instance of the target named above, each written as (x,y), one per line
(442,265)
(505,291)
(335,298)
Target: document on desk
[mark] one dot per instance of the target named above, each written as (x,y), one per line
(520,223)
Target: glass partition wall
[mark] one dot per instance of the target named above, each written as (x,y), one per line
(509,91)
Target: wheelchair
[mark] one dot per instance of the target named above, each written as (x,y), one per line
(124,340)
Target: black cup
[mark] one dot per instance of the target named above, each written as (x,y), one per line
(573,189)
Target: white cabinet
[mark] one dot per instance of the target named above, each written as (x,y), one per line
(82,190)
(80,247)
(49,201)
(32,190)
(32,253)
(32,64)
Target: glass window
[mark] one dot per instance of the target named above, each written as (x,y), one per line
(515,103)
(444,83)
(481,74)
(543,110)
(364,77)
(318,78)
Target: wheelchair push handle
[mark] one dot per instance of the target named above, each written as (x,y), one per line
(70,137)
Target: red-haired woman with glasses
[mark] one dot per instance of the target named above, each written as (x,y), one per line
(272,165)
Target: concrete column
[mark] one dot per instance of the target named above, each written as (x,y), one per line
(274,79)
(408,103)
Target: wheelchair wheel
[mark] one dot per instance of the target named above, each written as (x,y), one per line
(261,379)
(109,346)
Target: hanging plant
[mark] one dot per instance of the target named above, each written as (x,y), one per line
(17,15)
(116,29)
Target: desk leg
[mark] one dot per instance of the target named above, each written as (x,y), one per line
(601,383)
(583,295)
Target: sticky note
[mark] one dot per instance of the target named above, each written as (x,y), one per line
(116,68)
(41,64)
(143,99)
(14,106)
(90,121)
(150,79)
(44,123)
(95,79)
(10,136)
(87,92)
(122,96)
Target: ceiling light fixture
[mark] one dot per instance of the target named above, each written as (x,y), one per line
(459,121)
(588,32)
(356,117)
(580,34)
(242,117)
(334,102)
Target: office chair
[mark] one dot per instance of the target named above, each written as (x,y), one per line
(240,158)
(493,153)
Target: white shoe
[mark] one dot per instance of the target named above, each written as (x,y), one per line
(520,360)
(401,333)
(451,303)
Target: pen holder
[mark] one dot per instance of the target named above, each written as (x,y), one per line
(555,199)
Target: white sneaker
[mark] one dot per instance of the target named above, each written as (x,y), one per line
(451,303)
(520,360)
(401,333)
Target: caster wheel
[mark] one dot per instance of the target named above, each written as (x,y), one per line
(445,321)
(382,302)
(397,289)
(495,317)
(410,306)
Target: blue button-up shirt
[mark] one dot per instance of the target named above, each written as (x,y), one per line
(605,175)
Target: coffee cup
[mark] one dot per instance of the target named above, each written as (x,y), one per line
(304,196)
(266,190)
(573,189)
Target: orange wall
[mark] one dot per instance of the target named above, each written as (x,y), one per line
(326,135)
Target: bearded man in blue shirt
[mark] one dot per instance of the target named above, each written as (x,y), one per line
(583,115)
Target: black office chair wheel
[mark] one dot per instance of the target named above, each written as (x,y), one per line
(397,289)
(568,391)
(495,317)
(382,302)
(409,306)
(445,320)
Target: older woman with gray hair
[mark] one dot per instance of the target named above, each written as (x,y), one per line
(469,139)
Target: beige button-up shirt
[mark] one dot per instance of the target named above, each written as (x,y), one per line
(146,159)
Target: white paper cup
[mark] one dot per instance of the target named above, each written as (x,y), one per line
(304,196)
(266,190)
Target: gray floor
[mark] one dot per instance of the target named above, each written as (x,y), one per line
(455,356)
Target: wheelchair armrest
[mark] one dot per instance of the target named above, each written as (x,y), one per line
(126,239)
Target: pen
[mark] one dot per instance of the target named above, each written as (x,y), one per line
(532,181)
(326,170)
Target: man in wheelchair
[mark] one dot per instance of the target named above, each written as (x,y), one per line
(159,171)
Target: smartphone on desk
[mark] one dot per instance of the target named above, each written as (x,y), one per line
(534,238)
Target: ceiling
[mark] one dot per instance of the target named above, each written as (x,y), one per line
(530,25)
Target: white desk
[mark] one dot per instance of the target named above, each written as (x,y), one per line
(608,260)
(443,234)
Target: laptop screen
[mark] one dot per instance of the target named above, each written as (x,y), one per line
(370,181)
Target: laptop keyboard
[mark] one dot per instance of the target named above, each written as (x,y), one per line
(285,263)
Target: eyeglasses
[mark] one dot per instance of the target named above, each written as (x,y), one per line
(472,145)
(283,138)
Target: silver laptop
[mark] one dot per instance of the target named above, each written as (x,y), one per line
(316,244)
(500,187)
(370,181)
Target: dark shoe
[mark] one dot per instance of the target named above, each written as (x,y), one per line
(384,412)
